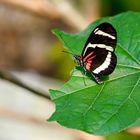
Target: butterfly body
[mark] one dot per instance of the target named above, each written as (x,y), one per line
(98,55)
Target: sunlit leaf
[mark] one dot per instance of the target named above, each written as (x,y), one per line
(109,107)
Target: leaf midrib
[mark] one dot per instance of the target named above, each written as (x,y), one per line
(122,65)
(96,85)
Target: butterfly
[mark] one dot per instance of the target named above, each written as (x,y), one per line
(98,56)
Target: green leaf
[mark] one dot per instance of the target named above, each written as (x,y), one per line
(136,124)
(109,107)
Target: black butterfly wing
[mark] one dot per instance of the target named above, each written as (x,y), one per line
(98,54)
(104,63)
(103,34)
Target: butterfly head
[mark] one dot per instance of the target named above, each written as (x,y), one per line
(78,60)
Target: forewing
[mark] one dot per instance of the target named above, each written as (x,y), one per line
(103,36)
(98,54)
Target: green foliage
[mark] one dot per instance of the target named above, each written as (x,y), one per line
(109,107)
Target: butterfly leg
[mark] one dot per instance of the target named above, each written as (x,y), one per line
(84,76)
(97,78)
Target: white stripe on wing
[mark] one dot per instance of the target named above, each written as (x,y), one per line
(109,48)
(104,65)
(99,32)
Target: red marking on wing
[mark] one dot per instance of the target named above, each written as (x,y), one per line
(89,61)
(88,65)
(85,59)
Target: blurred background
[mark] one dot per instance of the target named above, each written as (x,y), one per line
(31,62)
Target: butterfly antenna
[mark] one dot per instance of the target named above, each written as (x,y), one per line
(72,55)
(68,52)
(74,70)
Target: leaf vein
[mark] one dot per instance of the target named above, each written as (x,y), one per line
(129,54)
(122,65)
(123,76)
(95,99)
(122,103)
(96,85)
(135,103)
